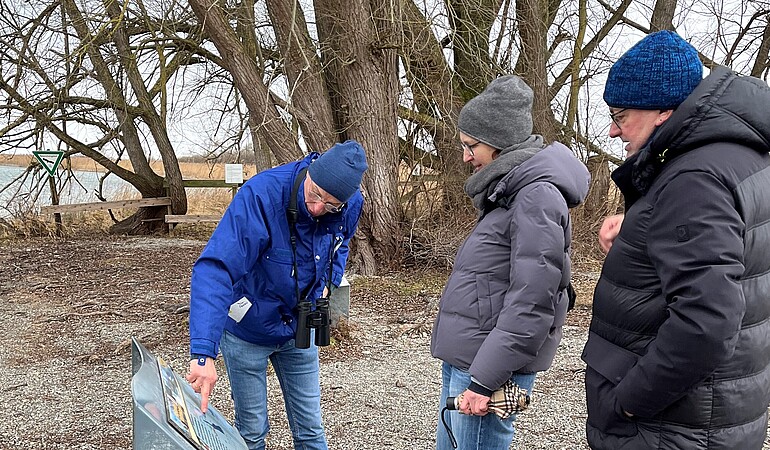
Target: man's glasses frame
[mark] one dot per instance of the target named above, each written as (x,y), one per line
(329,207)
(618,121)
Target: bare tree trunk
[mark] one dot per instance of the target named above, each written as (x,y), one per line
(577,61)
(763,54)
(307,100)
(151,117)
(595,207)
(148,183)
(472,22)
(564,75)
(358,42)
(262,153)
(248,80)
(245,29)
(434,94)
(532,16)
(663,15)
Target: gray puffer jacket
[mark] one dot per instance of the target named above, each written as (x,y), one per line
(505,302)
(680,335)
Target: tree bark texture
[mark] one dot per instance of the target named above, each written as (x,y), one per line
(762,62)
(308,101)
(247,78)
(358,47)
(532,16)
(663,15)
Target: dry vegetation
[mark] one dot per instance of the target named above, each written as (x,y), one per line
(191,167)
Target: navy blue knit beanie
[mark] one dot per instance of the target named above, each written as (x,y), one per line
(659,72)
(339,170)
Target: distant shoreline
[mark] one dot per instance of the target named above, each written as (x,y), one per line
(190,170)
(76,162)
(77,169)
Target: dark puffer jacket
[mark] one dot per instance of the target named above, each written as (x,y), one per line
(680,335)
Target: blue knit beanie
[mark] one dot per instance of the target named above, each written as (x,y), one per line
(659,72)
(339,170)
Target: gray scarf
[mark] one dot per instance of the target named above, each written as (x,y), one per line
(481,185)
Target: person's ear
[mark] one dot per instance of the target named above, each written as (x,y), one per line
(663,116)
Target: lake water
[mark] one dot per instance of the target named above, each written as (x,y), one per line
(21,196)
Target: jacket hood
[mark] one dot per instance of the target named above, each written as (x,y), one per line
(725,107)
(554,164)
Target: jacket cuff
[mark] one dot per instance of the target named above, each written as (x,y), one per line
(479,388)
(203,347)
(336,279)
(624,402)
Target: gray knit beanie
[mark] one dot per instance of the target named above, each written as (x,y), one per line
(501,116)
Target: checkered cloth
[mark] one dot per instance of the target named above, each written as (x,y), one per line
(508,400)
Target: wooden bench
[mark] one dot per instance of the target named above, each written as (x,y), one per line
(144,202)
(207,183)
(192,218)
(96,206)
(174,219)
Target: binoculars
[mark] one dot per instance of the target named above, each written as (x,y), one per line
(308,319)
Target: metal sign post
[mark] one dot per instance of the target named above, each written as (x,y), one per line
(50,161)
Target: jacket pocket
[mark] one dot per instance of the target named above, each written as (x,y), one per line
(607,365)
(611,361)
(279,255)
(489,301)
(273,278)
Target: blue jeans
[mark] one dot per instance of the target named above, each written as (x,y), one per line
(297,372)
(474,432)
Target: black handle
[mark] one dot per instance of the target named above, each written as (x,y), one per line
(302,338)
(322,332)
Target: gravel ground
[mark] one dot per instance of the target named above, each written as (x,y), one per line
(69,307)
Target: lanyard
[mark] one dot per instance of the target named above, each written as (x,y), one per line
(291,215)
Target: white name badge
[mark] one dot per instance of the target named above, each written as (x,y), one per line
(239,309)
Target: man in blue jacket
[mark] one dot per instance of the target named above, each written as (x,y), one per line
(256,268)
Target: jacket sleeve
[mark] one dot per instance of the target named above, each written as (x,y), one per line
(232,250)
(537,259)
(341,255)
(695,243)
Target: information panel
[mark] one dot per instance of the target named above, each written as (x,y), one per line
(167,411)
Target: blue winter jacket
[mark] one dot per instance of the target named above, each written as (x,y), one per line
(249,255)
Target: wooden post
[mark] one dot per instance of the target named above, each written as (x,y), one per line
(55,201)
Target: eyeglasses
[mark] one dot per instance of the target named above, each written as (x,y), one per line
(469,148)
(617,119)
(329,207)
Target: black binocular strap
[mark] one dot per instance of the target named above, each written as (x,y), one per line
(291,216)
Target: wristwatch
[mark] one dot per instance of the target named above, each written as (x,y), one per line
(200,359)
